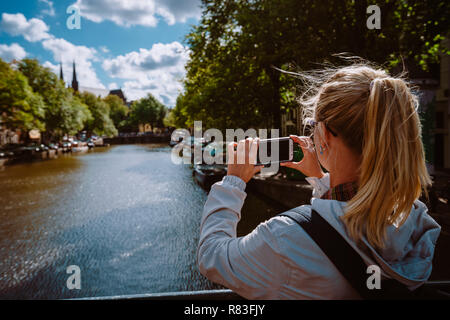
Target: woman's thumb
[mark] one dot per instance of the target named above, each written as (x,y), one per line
(293,165)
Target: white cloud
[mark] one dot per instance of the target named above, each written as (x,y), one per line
(157,70)
(32,30)
(67,52)
(139,12)
(50,10)
(63,51)
(11,52)
(104,49)
(171,57)
(178,10)
(165,89)
(112,86)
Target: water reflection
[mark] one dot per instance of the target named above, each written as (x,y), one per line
(126,216)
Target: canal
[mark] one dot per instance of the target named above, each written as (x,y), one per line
(125,215)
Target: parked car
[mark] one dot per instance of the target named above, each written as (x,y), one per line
(7,151)
(66,146)
(90,143)
(53,146)
(35,147)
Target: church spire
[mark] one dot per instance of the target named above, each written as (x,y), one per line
(74,79)
(61,76)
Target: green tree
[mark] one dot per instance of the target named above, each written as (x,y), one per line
(64,114)
(20,107)
(75,116)
(148,110)
(230,78)
(100,122)
(117,111)
(169,119)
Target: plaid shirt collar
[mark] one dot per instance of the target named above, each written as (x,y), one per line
(342,192)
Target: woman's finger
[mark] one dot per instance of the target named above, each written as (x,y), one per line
(305,143)
(257,169)
(248,143)
(293,165)
(231,153)
(254,151)
(301,140)
(295,138)
(241,152)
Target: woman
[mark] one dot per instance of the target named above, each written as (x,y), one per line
(366,134)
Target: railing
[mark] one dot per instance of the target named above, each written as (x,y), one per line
(443,286)
(181,295)
(225,294)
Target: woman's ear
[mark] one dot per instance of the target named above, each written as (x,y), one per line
(325,135)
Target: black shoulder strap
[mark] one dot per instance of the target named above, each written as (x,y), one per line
(344,257)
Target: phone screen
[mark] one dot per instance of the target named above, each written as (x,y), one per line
(285,151)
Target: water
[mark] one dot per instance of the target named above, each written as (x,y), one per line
(126,215)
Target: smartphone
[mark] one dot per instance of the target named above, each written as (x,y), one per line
(285,151)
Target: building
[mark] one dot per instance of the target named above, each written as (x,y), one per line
(119,93)
(61,76)
(74,79)
(442,115)
(98,92)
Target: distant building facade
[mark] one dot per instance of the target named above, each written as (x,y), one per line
(442,114)
(98,92)
(119,93)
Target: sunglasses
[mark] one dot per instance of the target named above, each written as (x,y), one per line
(313,124)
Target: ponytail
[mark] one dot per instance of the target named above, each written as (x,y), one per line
(393,171)
(376,116)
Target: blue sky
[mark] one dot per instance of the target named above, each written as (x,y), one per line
(137,45)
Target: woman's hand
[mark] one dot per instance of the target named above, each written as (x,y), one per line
(309,165)
(241,163)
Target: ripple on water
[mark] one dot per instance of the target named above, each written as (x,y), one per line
(127,216)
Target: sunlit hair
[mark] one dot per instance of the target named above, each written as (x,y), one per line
(376,116)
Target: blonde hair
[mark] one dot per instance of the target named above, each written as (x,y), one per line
(376,116)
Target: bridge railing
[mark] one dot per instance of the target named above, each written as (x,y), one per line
(181,295)
(224,294)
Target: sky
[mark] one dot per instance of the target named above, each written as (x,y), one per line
(136,45)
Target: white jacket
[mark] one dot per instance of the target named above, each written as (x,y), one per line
(278,260)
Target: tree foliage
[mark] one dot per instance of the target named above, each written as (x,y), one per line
(148,110)
(100,123)
(20,107)
(231,80)
(32,97)
(64,113)
(118,112)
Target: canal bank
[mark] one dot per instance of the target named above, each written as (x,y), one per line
(36,156)
(27,154)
